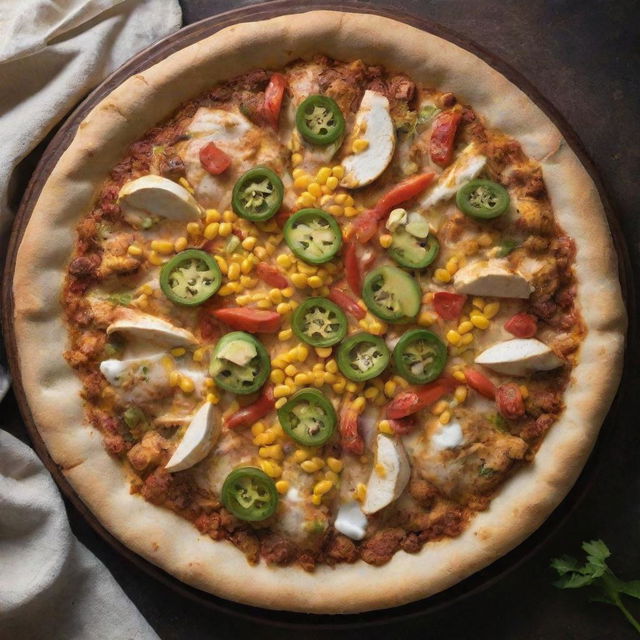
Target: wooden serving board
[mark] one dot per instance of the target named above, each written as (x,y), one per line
(59,143)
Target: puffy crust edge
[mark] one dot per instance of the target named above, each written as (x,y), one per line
(172,543)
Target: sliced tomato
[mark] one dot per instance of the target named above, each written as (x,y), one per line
(509,401)
(214,160)
(273,95)
(367,222)
(522,325)
(271,275)
(350,437)
(413,400)
(346,302)
(246,416)
(404,425)
(448,305)
(443,135)
(480,383)
(251,320)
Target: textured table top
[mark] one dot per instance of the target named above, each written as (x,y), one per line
(584,57)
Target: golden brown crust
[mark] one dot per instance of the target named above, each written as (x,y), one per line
(174,544)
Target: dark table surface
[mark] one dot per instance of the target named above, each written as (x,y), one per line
(584,57)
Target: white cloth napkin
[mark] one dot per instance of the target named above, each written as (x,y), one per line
(52,52)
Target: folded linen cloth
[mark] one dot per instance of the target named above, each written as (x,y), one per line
(52,52)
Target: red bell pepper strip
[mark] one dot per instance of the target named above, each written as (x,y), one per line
(480,383)
(250,414)
(443,135)
(522,325)
(251,320)
(413,400)
(271,275)
(350,438)
(214,160)
(346,302)
(273,96)
(352,268)
(509,401)
(448,305)
(366,223)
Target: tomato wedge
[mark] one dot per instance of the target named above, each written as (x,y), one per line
(522,325)
(273,96)
(252,413)
(350,438)
(215,161)
(366,224)
(251,320)
(413,400)
(509,401)
(448,305)
(271,275)
(443,135)
(346,302)
(480,383)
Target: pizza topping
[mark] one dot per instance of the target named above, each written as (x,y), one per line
(374,142)
(480,383)
(190,278)
(448,305)
(214,160)
(273,95)
(319,120)
(313,235)
(366,224)
(362,356)
(250,320)
(344,300)
(389,476)
(465,167)
(143,326)
(413,400)
(156,196)
(491,278)
(250,414)
(482,199)
(419,356)
(448,436)
(411,244)
(522,325)
(392,294)
(271,275)
(350,521)
(319,322)
(519,357)
(250,494)
(258,194)
(239,363)
(308,417)
(199,438)
(509,401)
(351,439)
(443,133)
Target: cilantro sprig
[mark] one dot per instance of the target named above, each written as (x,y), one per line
(595,573)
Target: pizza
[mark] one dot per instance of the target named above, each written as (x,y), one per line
(323,320)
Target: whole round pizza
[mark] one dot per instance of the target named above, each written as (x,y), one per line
(319,313)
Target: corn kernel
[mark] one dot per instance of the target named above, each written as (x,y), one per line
(351,387)
(459,376)
(307,199)
(384,426)
(385,241)
(299,280)
(212,215)
(249,243)
(323,175)
(335,465)
(296,159)
(484,240)
(445,417)
(335,210)
(332,183)
(302,352)
(283,308)
(439,407)
(314,282)
(260,253)
(361,492)
(229,216)
(478,302)
(280,402)
(174,378)
(155,259)
(301,182)
(284,260)
(442,275)
(491,309)
(186,384)
(309,466)
(323,352)
(453,337)
(332,366)
(273,451)
(371,392)
(211,230)
(524,391)
(234,271)
(282,486)
(460,394)
(213,398)
(319,462)
(452,265)
(257,428)
(480,321)
(322,487)
(348,201)
(300,455)
(178,351)
(465,327)
(338,171)
(264,304)
(285,334)
(194,229)
(466,339)
(134,250)
(338,387)
(185,183)
(426,318)
(291,370)
(198,355)
(302,379)
(271,468)
(340,198)
(359,404)
(147,289)
(381,470)
(359,145)
(350,212)
(225,229)
(180,244)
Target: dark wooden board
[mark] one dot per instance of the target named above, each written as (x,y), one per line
(61,140)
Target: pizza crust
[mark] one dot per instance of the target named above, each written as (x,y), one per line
(52,388)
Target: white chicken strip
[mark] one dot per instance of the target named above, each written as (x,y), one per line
(519,357)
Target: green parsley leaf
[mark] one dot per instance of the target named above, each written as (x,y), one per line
(506,247)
